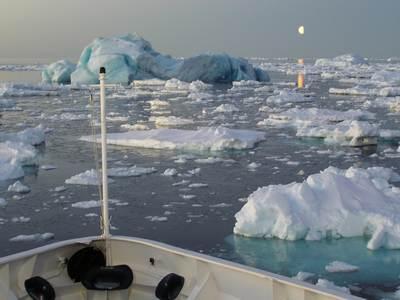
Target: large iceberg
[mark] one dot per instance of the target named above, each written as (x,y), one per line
(332,204)
(58,72)
(130,57)
(203,139)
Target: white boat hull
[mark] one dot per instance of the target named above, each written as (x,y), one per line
(206,277)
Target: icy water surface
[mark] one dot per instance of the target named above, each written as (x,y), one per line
(166,209)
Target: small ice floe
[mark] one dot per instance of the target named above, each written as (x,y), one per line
(287,96)
(66,116)
(29,136)
(386,77)
(331,286)
(158,104)
(156,219)
(86,204)
(389,92)
(226,108)
(130,172)
(170,121)
(350,133)
(37,237)
(29,90)
(213,160)
(298,117)
(220,205)
(89,177)
(18,187)
(91,215)
(304,276)
(342,61)
(135,126)
(187,197)
(60,189)
(176,84)
(114,118)
(340,267)
(48,167)
(253,166)
(21,219)
(355,91)
(203,139)
(198,185)
(8,105)
(182,182)
(3,202)
(334,203)
(170,172)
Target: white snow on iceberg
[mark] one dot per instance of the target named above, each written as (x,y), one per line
(332,204)
(203,139)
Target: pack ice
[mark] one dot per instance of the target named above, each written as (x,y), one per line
(202,139)
(335,203)
(130,57)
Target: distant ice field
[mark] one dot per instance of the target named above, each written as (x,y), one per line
(191,195)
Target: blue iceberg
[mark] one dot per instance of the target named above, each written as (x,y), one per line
(130,57)
(58,72)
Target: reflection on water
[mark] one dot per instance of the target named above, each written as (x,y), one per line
(288,258)
(300,75)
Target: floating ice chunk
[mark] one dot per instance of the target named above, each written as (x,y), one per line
(220,205)
(130,57)
(198,185)
(355,91)
(48,167)
(286,96)
(89,177)
(67,116)
(342,61)
(86,204)
(387,77)
(18,187)
(31,136)
(335,203)
(340,267)
(13,156)
(298,117)
(157,104)
(170,121)
(27,90)
(351,133)
(226,108)
(389,92)
(331,286)
(58,72)
(7,104)
(253,166)
(21,219)
(187,197)
(130,172)
(156,219)
(303,276)
(176,84)
(60,189)
(3,202)
(37,237)
(170,172)
(212,160)
(203,139)
(135,126)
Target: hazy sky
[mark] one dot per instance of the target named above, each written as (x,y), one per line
(266,28)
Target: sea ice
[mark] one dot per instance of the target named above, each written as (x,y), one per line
(130,57)
(303,276)
(203,139)
(37,237)
(226,108)
(342,61)
(130,172)
(28,90)
(170,172)
(340,267)
(170,121)
(331,286)
(89,177)
(335,203)
(18,187)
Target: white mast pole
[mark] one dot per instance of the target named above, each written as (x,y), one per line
(106,218)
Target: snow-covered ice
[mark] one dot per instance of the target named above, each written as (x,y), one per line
(340,267)
(37,237)
(203,139)
(335,203)
(18,187)
(89,177)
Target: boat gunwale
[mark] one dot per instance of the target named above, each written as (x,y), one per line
(188,253)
